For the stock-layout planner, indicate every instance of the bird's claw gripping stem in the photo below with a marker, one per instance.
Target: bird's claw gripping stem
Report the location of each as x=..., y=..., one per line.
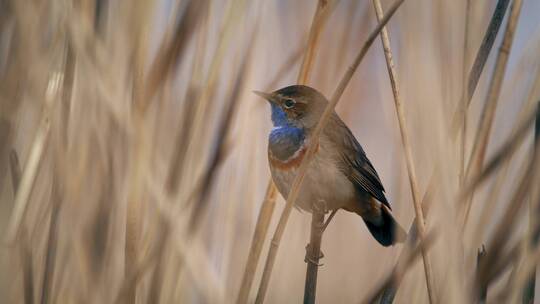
x=311, y=259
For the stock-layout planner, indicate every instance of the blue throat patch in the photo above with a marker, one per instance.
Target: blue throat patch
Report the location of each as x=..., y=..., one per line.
x=285, y=138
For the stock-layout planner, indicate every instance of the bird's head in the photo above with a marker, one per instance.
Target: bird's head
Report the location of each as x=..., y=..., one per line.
x=297, y=105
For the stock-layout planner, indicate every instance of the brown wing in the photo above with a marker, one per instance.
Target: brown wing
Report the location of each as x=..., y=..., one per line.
x=354, y=162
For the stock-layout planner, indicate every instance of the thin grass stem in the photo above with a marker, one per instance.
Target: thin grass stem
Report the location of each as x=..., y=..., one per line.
x=405, y=140
x=481, y=139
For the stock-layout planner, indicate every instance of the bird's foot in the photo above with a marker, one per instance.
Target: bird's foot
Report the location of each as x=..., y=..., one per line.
x=311, y=259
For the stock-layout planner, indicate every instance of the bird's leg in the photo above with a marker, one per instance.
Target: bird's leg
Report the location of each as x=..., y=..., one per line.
x=330, y=217
x=324, y=226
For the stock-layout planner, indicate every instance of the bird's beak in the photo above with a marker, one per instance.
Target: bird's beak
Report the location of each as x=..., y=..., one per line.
x=268, y=96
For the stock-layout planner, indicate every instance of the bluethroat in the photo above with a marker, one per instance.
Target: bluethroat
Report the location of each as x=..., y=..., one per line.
x=340, y=174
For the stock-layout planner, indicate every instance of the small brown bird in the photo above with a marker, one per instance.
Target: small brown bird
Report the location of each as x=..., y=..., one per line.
x=340, y=174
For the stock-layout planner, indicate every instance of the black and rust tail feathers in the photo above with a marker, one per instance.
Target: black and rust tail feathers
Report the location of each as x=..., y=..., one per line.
x=388, y=231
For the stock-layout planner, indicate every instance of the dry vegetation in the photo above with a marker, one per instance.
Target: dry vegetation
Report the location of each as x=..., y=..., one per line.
x=133, y=153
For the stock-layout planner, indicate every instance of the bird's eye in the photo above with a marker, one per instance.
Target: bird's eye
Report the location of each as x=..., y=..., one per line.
x=289, y=103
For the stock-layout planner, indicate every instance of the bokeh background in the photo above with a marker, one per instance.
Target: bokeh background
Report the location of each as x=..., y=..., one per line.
x=85, y=110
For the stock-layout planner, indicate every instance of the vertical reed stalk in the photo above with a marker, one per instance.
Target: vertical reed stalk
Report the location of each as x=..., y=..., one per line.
x=15, y=169
x=489, y=207
x=261, y=229
x=463, y=103
x=504, y=228
x=485, y=48
x=140, y=148
x=390, y=290
x=313, y=253
x=483, y=289
x=52, y=241
x=25, y=250
x=479, y=62
x=314, y=33
x=407, y=258
x=420, y=225
x=28, y=178
x=529, y=290
x=293, y=194
x=34, y=160
x=499, y=157
x=488, y=112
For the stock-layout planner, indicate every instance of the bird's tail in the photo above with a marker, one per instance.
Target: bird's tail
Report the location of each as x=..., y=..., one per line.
x=386, y=230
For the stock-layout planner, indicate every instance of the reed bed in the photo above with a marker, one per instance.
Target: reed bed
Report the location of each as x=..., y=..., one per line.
x=133, y=154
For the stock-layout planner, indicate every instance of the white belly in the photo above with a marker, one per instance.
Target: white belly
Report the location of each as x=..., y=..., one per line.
x=323, y=181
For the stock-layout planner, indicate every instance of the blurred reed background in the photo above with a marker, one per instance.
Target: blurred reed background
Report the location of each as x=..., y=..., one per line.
x=136, y=118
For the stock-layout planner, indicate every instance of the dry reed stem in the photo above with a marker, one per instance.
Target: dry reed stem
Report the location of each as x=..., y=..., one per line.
x=203, y=184
x=313, y=253
x=232, y=16
x=202, y=187
x=529, y=289
x=473, y=78
x=177, y=164
x=519, y=275
x=140, y=148
x=145, y=87
x=32, y=164
x=156, y=282
x=220, y=149
x=58, y=145
x=261, y=229
x=417, y=203
x=28, y=269
x=484, y=288
x=481, y=139
x=267, y=208
x=408, y=258
x=527, y=277
x=464, y=99
x=507, y=149
x=313, y=39
x=171, y=51
x=506, y=224
x=25, y=250
x=52, y=244
x=478, y=66
x=476, y=71
x=485, y=47
x=496, y=188
x=389, y=292
x=15, y=169
x=293, y=194
x=191, y=253
x=495, y=263
x=138, y=271
x=345, y=40
x=174, y=177
x=504, y=260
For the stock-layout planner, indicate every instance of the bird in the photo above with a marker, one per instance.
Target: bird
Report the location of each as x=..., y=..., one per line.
x=340, y=174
